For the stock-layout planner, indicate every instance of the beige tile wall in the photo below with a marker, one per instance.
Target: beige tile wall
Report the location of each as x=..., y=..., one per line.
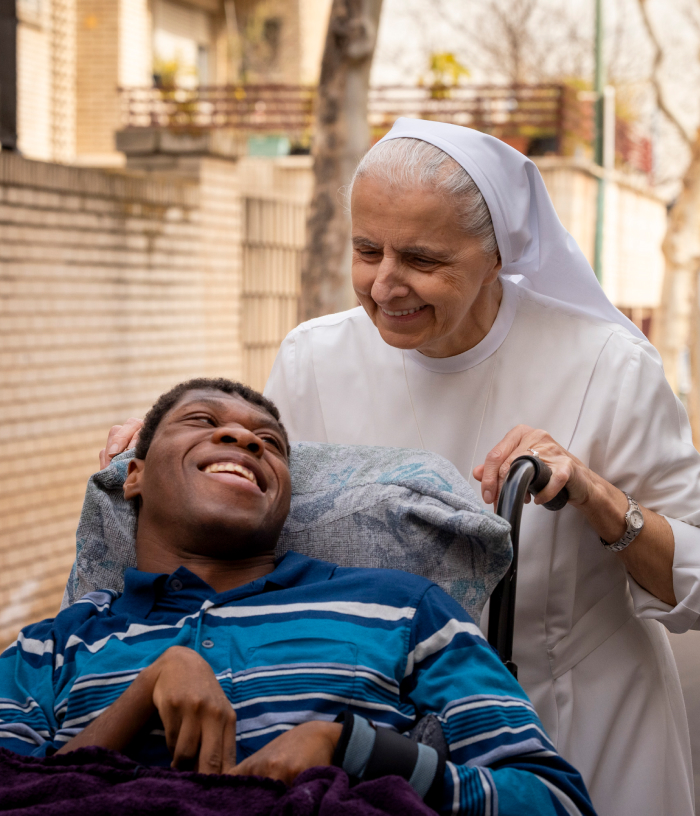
x=275, y=206
x=112, y=289
x=46, y=79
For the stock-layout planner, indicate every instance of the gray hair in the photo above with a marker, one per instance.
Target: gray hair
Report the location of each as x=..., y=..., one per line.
x=406, y=162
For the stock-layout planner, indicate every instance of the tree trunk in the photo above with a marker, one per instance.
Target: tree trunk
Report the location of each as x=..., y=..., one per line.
x=675, y=328
x=341, y=138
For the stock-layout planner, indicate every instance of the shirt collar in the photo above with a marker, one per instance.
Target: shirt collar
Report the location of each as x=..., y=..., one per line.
x=142, y=590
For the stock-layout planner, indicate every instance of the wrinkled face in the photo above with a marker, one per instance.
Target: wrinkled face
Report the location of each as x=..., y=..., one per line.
x=423, y=282
x=217, y=470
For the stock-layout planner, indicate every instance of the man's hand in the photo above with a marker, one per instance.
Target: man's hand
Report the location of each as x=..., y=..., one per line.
x=200, y=725
x=306, y=746
x=119, y=439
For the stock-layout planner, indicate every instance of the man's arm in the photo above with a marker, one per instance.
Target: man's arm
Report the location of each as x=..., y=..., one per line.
x=499, y=751
x=27, y=721
x=199, y=722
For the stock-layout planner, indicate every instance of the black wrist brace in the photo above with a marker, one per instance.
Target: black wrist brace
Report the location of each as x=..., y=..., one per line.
x=366, y=752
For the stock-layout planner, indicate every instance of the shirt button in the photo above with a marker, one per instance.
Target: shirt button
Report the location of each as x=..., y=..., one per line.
x=176, y=584
x=207, y=643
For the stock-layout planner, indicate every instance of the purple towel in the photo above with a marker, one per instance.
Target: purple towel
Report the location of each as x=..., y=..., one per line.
x=93, y=781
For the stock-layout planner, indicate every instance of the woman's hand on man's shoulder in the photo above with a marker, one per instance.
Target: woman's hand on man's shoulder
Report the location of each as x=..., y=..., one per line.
x=119, y=439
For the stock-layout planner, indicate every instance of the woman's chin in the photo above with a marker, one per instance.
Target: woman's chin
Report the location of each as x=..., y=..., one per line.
x=401, y=339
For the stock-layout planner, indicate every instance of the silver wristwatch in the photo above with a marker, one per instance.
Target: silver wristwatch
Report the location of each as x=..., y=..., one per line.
x=635, y=524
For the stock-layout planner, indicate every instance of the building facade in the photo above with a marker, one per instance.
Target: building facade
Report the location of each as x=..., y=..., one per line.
x=74, y=56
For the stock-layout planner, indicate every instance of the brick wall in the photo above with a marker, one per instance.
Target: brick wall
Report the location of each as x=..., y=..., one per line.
x=34, y=82
x=113, y=287
x=63, y=80
x=275, y=208
x=46, y=79
x=97, y=76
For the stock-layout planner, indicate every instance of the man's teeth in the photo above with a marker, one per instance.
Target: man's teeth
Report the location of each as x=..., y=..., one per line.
x=230, y=467
x=405, y=312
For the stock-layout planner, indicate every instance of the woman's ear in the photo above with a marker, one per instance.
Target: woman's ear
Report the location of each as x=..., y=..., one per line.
x=132, y=485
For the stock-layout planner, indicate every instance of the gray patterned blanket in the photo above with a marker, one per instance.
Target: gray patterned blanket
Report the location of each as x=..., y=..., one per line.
x=355, y=506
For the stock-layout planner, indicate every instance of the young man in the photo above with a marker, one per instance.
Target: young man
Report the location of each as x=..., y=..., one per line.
x=219, y=657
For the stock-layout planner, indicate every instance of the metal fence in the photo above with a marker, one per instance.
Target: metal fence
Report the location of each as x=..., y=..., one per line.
x=536, y=119
x=282, y=109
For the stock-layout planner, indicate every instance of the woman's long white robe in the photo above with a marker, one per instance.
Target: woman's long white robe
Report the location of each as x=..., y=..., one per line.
x=589, y=643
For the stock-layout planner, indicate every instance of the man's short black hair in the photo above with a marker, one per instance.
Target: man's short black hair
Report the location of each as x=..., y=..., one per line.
x=166, y=401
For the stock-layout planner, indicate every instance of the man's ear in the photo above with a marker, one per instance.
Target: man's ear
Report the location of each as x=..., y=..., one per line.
x=132, y=485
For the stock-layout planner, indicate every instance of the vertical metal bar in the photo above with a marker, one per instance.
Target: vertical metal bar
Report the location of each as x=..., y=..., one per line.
x=609, y=126
x=502, y=603
x=8, y=75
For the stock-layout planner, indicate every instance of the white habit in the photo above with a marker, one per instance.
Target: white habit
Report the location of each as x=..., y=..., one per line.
x=589, y=641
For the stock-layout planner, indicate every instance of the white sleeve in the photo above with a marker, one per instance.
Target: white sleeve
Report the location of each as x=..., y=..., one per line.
x=686, y=584
x=292, y=387
x=651, y=455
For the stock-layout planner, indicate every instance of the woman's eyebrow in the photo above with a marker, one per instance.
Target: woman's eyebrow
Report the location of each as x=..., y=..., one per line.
x=426, y=252
x=358, y=241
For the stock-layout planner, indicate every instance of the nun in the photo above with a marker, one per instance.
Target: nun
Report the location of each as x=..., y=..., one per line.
x=482, y=334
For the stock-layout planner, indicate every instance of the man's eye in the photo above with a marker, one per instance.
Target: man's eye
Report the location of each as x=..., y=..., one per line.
x=203, y=418
x=273, y=441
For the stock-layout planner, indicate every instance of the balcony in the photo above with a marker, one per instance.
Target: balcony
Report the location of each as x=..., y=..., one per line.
x=535, y=119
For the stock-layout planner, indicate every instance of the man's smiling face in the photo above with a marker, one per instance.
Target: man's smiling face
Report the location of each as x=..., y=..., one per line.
x=215, y=478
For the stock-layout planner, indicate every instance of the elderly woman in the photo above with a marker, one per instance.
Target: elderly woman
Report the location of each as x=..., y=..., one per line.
x=483, y=334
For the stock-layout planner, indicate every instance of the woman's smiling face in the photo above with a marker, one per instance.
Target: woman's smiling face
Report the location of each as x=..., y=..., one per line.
x=423, y=282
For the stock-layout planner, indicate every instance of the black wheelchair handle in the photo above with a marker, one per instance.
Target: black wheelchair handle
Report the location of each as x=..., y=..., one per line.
x=543, y=473
x=527, y=473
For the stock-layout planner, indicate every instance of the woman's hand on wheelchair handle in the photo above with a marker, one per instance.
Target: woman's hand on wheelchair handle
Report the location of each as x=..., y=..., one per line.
x=649, y=558
x=567, y=470
x=119, y=439
x=305, y=746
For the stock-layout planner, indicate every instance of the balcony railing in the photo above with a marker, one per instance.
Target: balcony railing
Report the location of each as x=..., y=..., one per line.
x=273, y=109
x=536, y=119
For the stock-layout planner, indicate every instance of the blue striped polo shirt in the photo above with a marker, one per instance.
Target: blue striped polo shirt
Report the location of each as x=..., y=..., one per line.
x=306, y=642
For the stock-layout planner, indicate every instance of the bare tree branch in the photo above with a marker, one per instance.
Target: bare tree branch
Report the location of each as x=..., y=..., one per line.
x=655, y=78
x=515, y=41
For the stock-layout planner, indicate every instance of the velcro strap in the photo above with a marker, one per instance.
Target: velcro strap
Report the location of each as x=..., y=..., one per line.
x=365, y=752
x=393, y=754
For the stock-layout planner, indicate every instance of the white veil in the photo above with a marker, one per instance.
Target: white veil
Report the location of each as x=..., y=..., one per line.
x=536, y=250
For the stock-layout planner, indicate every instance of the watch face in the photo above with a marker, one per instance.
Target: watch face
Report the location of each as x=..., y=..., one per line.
x=636, y=520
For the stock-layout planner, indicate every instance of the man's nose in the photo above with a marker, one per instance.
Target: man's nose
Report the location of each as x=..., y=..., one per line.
x=239, y=436
x=388, y=283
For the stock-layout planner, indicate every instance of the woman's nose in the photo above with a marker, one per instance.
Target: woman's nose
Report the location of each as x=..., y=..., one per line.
x=239, y=436
x=388, y=283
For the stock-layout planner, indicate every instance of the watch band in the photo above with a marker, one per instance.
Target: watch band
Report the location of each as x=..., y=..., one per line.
x=635, y=525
